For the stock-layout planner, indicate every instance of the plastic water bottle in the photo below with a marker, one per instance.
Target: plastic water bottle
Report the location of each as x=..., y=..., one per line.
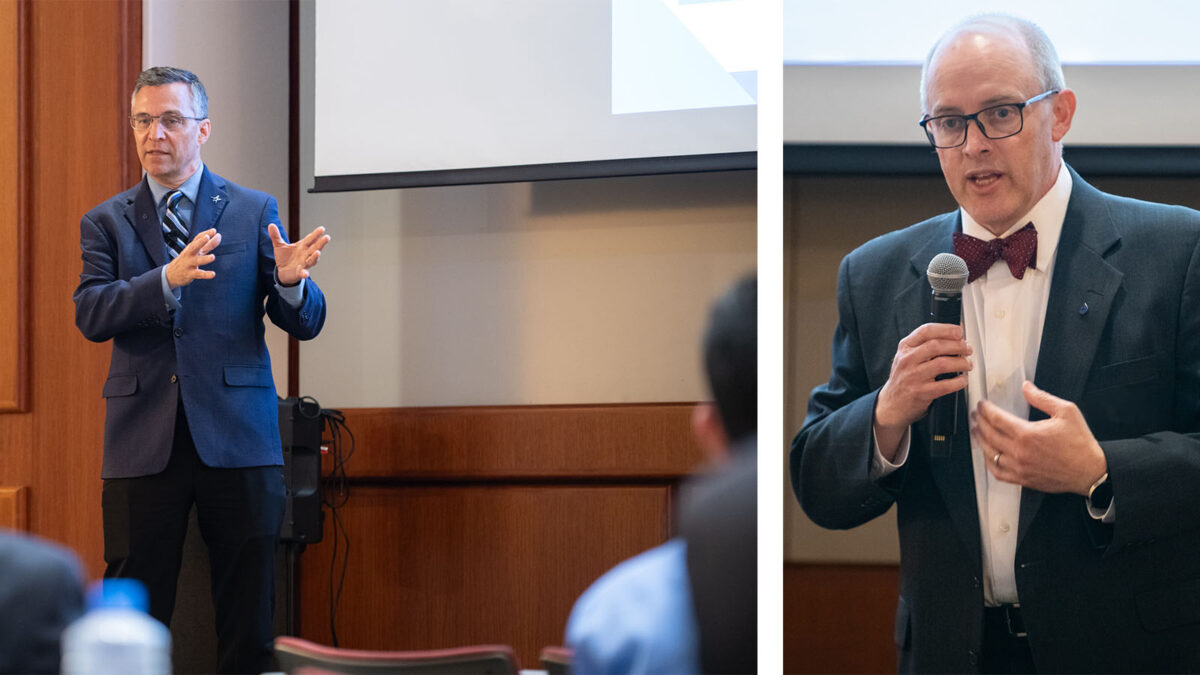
x=116, y=635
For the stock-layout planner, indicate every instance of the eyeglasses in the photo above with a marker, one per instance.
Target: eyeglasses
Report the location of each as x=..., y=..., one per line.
x=168, y=121
x=998, y=121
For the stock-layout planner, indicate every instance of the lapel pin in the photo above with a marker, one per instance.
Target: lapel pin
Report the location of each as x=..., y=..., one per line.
x=1083, y=309
x=216, y=199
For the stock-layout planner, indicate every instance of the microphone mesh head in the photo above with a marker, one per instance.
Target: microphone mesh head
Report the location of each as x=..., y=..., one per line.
x=947, y=273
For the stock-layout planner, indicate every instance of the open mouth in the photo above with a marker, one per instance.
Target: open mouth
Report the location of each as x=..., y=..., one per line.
x=983, y=178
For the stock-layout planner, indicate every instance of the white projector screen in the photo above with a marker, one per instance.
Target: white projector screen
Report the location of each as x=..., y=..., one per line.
x=852, y=69
x=461, y=91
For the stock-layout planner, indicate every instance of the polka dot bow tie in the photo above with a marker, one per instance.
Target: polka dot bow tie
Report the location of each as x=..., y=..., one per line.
x=1019, y=250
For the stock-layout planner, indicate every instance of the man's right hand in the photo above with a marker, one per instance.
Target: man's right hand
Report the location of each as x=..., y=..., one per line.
x=185, y=268
x=931, y=350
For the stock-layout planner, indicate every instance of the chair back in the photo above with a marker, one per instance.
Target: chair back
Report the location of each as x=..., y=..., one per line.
x=556, y=660
x=296, y=655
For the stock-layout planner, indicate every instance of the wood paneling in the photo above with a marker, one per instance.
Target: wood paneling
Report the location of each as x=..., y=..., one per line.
x=445, y=566
x=13, y=277
x=509, y=442
x=14, y=508
x=483, y=525
x=839, y=618
x=78, y=59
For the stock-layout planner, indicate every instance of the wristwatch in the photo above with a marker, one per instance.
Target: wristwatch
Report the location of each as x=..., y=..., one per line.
x=1100, y=495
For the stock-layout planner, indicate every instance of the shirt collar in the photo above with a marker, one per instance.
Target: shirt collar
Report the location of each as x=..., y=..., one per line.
x=1047, y=216
x=190, y=187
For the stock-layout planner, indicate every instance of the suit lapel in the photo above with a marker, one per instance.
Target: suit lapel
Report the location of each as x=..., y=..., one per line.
x=954, y=476
x=1081, y=295
x=211, y=200
x=142, y=215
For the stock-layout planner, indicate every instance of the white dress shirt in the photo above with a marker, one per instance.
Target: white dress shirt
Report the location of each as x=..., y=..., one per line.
x=1003, y=317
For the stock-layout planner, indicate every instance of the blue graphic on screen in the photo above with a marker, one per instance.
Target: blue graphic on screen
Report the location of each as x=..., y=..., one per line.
x=682, y=55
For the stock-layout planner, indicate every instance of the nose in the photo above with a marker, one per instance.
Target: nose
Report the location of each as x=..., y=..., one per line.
x=156, y=129
x=976, y=142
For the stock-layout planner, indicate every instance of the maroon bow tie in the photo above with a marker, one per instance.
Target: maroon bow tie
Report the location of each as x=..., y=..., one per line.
x=1019, y=250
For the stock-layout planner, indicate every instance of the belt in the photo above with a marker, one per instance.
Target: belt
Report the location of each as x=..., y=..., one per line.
x=1006, y=619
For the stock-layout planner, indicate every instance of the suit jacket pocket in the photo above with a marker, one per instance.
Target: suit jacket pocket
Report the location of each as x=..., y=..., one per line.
x=1123, y=374
x=1168, y=608
x=248, y=376
x=120, y=385
x=903, y=633
x=230, y=248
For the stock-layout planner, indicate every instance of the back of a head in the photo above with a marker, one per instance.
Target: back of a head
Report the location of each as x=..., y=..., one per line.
x=731, y=358
x=41, y=594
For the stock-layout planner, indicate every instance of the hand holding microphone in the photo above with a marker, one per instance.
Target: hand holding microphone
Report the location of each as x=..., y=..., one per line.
x=930, y=363
x=947, y=275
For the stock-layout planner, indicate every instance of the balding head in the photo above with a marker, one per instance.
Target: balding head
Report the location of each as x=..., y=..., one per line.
x=1043, y=62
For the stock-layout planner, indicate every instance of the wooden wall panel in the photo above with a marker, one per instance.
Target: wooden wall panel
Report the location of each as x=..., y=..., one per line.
x=506, y=442
x=445, y=566
x=14, y=508
x=483, y=525
x=78, y=60
x=13, y=281
x=839, y=618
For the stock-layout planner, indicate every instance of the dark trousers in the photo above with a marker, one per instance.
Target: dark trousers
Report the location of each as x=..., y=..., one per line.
x=239, y=512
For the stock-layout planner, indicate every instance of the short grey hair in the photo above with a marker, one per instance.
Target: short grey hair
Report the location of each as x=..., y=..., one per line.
x=163, y=75
x=1047, y=67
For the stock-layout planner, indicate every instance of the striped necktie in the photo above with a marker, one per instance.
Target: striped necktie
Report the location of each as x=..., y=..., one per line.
x=174, y=230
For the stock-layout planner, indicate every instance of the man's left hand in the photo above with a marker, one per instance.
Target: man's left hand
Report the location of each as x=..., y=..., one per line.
x=1054, y=455
x=293, y=261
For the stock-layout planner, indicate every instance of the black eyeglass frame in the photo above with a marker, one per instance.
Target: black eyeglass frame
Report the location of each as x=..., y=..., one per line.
x=967, y=119
x=133, y=119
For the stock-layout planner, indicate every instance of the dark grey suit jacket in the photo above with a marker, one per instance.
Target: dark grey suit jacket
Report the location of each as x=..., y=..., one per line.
x=1122, y=340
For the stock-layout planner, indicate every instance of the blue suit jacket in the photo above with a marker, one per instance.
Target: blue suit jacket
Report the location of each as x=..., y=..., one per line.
x=1122, y=340
x=211, y=352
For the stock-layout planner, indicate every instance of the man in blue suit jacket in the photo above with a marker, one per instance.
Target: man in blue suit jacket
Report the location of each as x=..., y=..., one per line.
x=1061, y=534
x=178, y=272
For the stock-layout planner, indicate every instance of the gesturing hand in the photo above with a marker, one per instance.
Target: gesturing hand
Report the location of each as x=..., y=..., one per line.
x=1054, y=455
x=185, y=268
x=932, y=349
x=292, y=261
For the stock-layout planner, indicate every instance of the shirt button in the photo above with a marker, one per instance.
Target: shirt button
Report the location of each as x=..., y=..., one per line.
x=178, y=332
x=1000, y=314
x=1004, y=528
x=174, y=378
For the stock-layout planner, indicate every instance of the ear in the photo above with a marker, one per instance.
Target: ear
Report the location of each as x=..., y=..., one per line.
x=1064, y=112
x=205, y=130
x=710, y=431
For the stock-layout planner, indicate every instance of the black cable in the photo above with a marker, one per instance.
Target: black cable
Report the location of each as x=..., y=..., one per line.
x=335, y=493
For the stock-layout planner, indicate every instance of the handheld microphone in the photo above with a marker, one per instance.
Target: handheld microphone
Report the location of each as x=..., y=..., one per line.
x=947, y=275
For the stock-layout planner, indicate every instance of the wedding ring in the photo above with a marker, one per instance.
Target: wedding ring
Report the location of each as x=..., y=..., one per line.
x=996, y=460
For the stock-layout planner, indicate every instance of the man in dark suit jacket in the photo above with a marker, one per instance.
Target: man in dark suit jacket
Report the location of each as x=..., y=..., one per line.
x=41, y=592
x=178, y=272
x=1062, y=534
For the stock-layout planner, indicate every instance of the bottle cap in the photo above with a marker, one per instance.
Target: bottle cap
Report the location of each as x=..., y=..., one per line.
x=116, y=593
